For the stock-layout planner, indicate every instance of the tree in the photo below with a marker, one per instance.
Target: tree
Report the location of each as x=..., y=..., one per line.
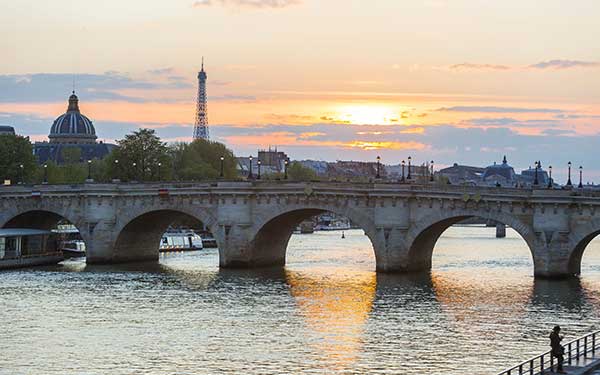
x=298, y=172
x=141, y=156
x=71, y=155
x=17, y=162
x=201, y=159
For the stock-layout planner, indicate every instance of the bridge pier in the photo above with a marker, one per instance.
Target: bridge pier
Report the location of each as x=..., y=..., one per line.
x=239, y=248
x=553, y=261
x=500, y=230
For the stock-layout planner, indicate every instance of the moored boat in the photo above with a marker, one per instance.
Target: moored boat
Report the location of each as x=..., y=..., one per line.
x=73, y=249
x=24, y=247
x=180, y=240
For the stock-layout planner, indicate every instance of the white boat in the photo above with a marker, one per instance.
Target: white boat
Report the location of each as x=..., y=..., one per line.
x=208, y=241
x=180, y=240
x=334, y=225
x=73, y=249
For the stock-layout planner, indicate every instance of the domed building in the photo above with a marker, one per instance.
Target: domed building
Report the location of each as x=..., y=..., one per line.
x=71, y=130
x=500, y=174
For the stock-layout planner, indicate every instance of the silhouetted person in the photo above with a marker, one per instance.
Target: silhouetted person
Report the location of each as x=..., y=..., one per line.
x=557, y=349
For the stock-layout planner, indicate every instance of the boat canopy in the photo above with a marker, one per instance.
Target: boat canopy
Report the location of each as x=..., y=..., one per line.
x=21, y=232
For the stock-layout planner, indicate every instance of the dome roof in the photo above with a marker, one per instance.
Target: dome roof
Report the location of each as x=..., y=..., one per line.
x=72, y=126
x=504, y=170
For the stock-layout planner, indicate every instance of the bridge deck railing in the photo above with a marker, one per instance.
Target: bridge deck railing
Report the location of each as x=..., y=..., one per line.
x=579, y=348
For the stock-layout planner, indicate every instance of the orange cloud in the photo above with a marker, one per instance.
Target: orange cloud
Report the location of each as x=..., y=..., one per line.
x=368, y=146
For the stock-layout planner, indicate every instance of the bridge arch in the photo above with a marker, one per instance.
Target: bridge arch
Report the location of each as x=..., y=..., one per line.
x=138, y=233
x=272, y=233
x=424, y=234
x=580, y=238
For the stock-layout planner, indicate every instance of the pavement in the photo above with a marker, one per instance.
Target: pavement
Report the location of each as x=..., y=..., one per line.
x=585, y=366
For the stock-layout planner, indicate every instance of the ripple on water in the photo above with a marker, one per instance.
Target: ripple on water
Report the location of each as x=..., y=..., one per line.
x=478, y=311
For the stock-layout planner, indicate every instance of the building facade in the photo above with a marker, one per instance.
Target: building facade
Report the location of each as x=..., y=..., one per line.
x=72, y=134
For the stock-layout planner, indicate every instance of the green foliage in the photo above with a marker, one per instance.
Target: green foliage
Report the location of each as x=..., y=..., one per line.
x=141, y=156
x=201, y=159
x=15, y=151
x=71, y=155
x=298, y=172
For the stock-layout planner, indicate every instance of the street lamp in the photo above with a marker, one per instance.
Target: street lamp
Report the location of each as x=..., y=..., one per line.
x=378, y=175
x=285, y=167
x=159, y=165
x=250, y=173
x=89, y=170
x=550, y=177
x=22, y=173
x=431, y=176
x=134, y=165
x=116, y=176
x=409, y=160
x=259, y=164
x=580, y=177
x=222, y=174
x=45, y=173
x=403, y=165
x=569, y=180
x=535, y=179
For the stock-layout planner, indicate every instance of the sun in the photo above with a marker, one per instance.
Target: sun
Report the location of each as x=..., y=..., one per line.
x=369, y=115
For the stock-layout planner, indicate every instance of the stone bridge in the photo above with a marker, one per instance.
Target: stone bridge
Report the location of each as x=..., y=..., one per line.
x=253, y=221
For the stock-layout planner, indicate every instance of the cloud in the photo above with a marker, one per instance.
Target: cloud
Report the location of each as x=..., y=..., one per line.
x=49, y=87
x=470, y=66
x=493, y=109
x=555, y=132
x=232, y=98
x=161, y=71
x=257, y=4
x=565, y=64
x=507, y=121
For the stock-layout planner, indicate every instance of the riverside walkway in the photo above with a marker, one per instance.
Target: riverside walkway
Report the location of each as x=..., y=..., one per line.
x=582, y=356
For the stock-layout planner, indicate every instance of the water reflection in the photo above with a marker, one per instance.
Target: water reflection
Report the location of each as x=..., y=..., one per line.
x=326, y=312
x=335, y=306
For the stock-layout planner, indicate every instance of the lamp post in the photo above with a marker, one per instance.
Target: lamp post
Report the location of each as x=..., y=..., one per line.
x=550, y=177
x=403, y=165
x=250, y=172
x=569, y=180
x=45, y=174
x=21, y=166
x=378, y=175
x=89, y=170
x=222, y=174
x=285, y=167
x=116, y=176
x=409, y=160
x=134, y=165
x=580, y=177
x=431, y=176
x=258, y=162
x=159, y=165
x=535, y=179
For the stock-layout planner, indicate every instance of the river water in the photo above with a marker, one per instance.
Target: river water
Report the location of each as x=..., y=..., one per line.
x=478, y=311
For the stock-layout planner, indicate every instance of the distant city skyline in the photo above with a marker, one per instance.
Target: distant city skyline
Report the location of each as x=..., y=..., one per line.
x=321, y=80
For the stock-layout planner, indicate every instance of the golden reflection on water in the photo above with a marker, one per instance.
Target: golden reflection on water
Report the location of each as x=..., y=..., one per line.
x=335, y=304
x=467, y=298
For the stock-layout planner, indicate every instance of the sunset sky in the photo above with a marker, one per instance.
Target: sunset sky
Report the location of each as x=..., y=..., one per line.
x=452, y=81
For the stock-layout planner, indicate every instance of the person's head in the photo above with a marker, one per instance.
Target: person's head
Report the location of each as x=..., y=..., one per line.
x=556, y=329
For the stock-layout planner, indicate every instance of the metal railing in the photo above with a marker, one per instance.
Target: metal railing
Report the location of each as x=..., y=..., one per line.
x=574, y=350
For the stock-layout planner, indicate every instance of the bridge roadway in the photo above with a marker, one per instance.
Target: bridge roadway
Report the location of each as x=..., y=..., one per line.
x=253, y=221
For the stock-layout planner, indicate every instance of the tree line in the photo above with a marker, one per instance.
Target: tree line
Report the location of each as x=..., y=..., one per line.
x=140, y=156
